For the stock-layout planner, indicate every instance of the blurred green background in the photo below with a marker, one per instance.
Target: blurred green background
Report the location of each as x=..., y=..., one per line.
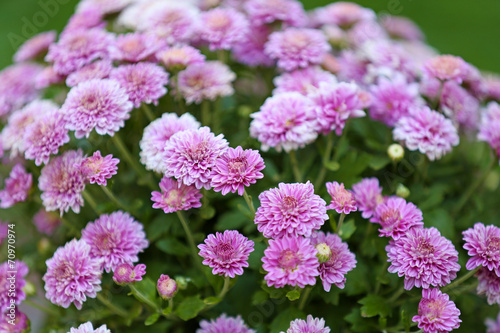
x=461, y=27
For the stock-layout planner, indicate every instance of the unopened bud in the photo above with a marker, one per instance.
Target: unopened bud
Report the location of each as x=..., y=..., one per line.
x=402, y=191
x=167, y=288
x=29, y=289
x=182, y=282
x=396, y=152
x=324, y=252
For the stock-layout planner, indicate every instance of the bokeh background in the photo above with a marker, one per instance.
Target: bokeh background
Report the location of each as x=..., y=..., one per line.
x=470, y=29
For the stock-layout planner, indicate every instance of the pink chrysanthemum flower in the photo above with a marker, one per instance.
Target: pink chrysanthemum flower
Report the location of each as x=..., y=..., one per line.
x=4, y=231
x=368, y=195
x=483, y=246
x=105, y=6
x=262, y=12
x=424, y=258
x=47, y=77
x=290, y=260
x=224, y=324
x=388, y=59
x=342, y=199
x=334, y=104
x=135, y=47
x=157, y=134
x=227, y=253
x=295, y=48
x=221, y=28
x=17, y=86
x=447, y=67
x=97, y=168
x=343, y=14
x=207, y=80
x=396, y=217
x=492, y=87
x=249, y=50
x=143, y=82
x=17, y=187
x=303, y=81
x=493, y=326
x=489, y=128
x=312, y=325
x=17, y=325
x=88, y=328
x=190, y=156
x=100, y=104
x=428, y=131
x=15, y=272
x=436, y=313
x=72, y=275
x=35, y=46
x=400, y=27
x=167, y=287
x=99, y=69
x=62, y=182
x=179, y=57
x=44, y=137
x=285, y=121
x=126, y=273
x=489, y=284
x=85, y=18
x=115, y=239
x=45, y=222
x=290, y=209
x=79, y=48
x=459, y=105
x=175, y=196
x=339, y=262
x=237, y=169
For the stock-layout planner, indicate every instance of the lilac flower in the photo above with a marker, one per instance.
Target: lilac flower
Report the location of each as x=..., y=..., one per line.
x=227, y=253
x=166, y=286
x=180, y=57
x=483, y=246
x=224, y=324
x=4, y=231
x=35, y=46
x=492, y=325
x=62, y=182
x=237, y=169
x=17, y=187
x=222, y=27
x=368, y=195
x=428, y=131
x=459, y=105
x=97, y=168
x=343, y=14
x=447, y=67
x=72, y=275
x=489, y=284
x=99, y=69
x=191, y=155
x=47, y=77
x=312, y=325
x=46, y=222
x=175, y=196
x=158, y=133
x=18, y=271
x=285, y=121
x=303, y=81
x=295, y=48
x=387, y=59
x=88, y=328
x=424, y=258
x=342, y=199
x=100, y=104
x=249, y=50
x=115, y=239
x=85, y=18
x=135, y=47
x=400, y=27
x=396, y=217
x=290, y=209
x=339, y=263
x=104, y=6
x=17, y=86
x=126, y=273
x=79, y=48
x=489, y=128
x=143, y=82
x=207, y=80
x=436, y=313
x=492, y=86
x=18, y=325
x=290, y=260
x=261, y=12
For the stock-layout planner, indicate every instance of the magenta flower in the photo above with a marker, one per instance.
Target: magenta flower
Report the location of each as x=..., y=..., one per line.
x=290, y=260
x=157, y=134
x=175, y=196
x=72, y=275
x=224, y=324
x=115, y=239
x=190, y=156
x=47, y=77
x=143, y=82
x=428, y=131
x=493, y=326
x=88, y=328
x=261, y=12
x=285, y=121
x=368, y=195
x=135, y=47
x=343, y=14
x=106, y=7
x=342, y=199
x=447, y=67
x=17, y=187
x=12, y=273
x=489, y=128
x=100, y=104
x=227, y=253
x=436, y=313
x=396, y=217
x=492, y=87
x=312, y=325
x=237, y=169
x=35, y=46
x=249, y=50
x=18, y=325
x=340, y=262
x=303, y=81
x=17, y=86
x=458, y=104
x=424, y=258
x=483, y=246
x=221, y=28
x=180, y=57
x=4, y=231
x=166, y=286
x=85, y=18
x=489, y=284
x=46, y=222
x=125, y=273
x=295, y=48
x=400, y=27
x=97, y=168
x=62, y=182
x=207, y=80
x=99, y=69
x=290, y=209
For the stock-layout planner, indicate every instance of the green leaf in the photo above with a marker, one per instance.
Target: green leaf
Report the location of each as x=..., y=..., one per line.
x=347, y=229
x=441, y=219
x=166, y=311
x=282, y=321
x=230, y=221
x=377, y=162
x=212, y=300
x=152, y=319
x=172, y=246
x=332, y=165
x=359, y=324
x=374, y=305
x=259, y=297
x=273, y=292
x=207, y=212
x=293, y=295
x=190, y=307
x=331, y=297
x=146, y=288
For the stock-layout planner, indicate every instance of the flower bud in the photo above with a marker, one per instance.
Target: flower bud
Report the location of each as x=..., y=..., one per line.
x=396, y=152
x=402, y=191
x=324, y=252
x=29, y=289
x=167, y=287
x=182, y=282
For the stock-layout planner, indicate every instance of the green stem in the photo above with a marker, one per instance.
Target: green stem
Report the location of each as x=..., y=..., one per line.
x=149, y=113
x=41, y=308
x=91, y=201
x=178, y=96
x=396, y=295
x=113, y=198
x=171, y=303
x=341, y=221
x=205, y=113
x=189, y=235
x=325, y=160
x=249, y=202
x=225, y=287
x=74, y=230
x=305, y=296
x=116, y=310
x=143, y=298
x=217, y=116
x=458, y=282
x=295, y=166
